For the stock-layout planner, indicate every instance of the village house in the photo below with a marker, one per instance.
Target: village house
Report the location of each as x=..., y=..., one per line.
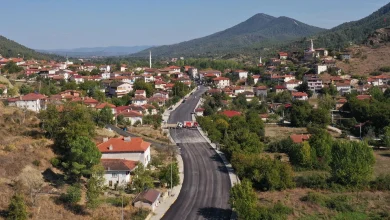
x=118, y=172
x=32, y=101
x=299, y=138
x=242, y=74
x=283, y=55
x=261, y=91
x=249, y=95
x=238, y=89
x=159, y=84
x=292, y=84
x=314, y=82
x=119, y=89
x=90, y=102
x=139, y=100
x=214, y=73
x=174, y=68
x=221, y=82
x=345, y=56
x=147, y=199
x=193, y=72
x=340, y=103
x=132, y=116
x=140, y=93
x=100, y=106
x=279, y=88
x=230, y=113
x=343, y=88
x=321, y=52
x=320, y=68
x=199, y=111
x=302, y=96
x=256, y=79
x=126, y=148
x=159, y=100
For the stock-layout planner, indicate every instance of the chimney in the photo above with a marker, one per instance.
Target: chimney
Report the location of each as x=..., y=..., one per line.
x=127, y=139
x=105, y=139
x=110, y=147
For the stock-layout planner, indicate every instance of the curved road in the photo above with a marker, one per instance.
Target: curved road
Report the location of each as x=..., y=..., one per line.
x=206, y=186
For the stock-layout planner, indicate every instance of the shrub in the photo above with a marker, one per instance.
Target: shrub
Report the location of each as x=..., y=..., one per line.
x=72, y=196
x=340, y=204
x=385, y=69
x=10, y=148
x=315, y=181
x=36, y=163
x=117, y=201
x=382, y=182
x=55, y=162
x=278, y=211
x=315, y=198
x=351, y=215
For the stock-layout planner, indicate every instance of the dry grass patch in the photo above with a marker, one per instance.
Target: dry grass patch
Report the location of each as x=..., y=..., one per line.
x=277, y=132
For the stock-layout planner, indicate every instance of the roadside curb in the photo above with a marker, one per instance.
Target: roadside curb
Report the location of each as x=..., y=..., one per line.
x=232, y=175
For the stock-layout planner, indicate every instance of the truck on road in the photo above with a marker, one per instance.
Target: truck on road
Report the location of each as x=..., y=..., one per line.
x=190, y=124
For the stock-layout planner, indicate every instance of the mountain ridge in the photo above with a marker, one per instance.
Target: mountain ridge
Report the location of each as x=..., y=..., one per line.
x=255, y=29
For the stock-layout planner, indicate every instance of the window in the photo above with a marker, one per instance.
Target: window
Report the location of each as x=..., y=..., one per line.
x=114, y=175
x=110, y=183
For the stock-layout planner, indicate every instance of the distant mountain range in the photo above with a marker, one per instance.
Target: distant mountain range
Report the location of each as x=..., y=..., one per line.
x=97, y=51
x=260, y=28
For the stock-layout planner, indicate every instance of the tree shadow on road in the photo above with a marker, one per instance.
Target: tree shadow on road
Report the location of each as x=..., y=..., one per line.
x=215, y=213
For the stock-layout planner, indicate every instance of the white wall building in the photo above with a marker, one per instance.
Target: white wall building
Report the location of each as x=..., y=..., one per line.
x=127, y=148
x=118, y=172
x=32, y=101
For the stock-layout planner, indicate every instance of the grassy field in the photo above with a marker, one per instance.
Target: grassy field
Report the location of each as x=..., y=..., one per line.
x=277, y=132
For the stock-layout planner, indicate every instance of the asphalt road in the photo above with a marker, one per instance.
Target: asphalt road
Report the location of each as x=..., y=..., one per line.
x=206, y=186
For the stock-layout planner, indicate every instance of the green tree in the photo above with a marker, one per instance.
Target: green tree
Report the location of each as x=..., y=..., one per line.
x=82, y=157
x=320, y=117
x=140, y=84
x=70, y=86
x=12, y=92
x=104, y=116
x=95, y=186
x=386, y=136
x=180, y=89
x=326, y=102
x=352, y=162
x=25, y=89
x=50, y=119
x=17, y=208
x=11, y=67
x=300, y=113
x=165, y=175
x=244, y=200
x=142, y=178
x=250, y=81
x=72, y=195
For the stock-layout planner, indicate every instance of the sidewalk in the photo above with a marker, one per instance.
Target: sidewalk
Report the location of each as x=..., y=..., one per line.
x=163, y=207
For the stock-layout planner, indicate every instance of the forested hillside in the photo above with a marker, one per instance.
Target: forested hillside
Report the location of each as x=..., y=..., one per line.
x=355, y=32
x=9, y=48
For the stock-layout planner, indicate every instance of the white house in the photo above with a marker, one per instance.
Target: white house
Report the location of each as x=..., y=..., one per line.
x=147, y=199
x=105, y=75
x=132, y=116
x=119, y=89
x=118, y=171
x=32, y=101
x=127, y=148
x=221, y=82
x=343, y=88
x=256, y=78
x=261, y=91
x=302, y=96
x=193, y=72
x=199, y=111
x=140, y=93
x=242, y=74
x=321, y=68
x=292, y=84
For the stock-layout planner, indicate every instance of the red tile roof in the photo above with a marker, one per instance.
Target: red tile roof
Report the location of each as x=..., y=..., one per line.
x=299, y=138
x=118, y=164
x=148, y=196
x=261, y=88
x=130, y=113
x=136, y=144
x=220, y=78
x=299, y=94
x=280, y=87
x=231, y=114
x=363, y=97
x=102, y=105
x=29, y=97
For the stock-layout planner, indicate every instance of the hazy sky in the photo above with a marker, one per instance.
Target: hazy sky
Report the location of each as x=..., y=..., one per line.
x=55, y=24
